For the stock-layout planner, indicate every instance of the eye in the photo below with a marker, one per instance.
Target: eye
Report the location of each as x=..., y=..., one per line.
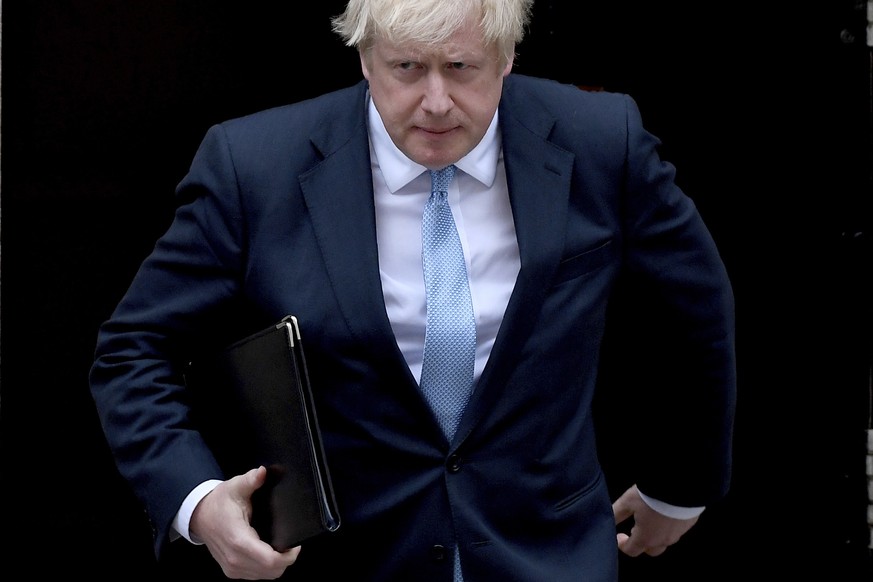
x=407, y=65
x=458, y=66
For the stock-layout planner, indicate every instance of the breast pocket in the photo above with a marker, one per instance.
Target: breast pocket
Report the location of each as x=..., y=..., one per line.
x=583, y=263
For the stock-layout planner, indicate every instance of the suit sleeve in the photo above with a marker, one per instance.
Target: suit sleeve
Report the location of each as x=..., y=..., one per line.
x=682, y=305
x=136, y=378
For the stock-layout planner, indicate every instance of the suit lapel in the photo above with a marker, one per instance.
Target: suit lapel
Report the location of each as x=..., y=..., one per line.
x=343, y=217
x=538, y=176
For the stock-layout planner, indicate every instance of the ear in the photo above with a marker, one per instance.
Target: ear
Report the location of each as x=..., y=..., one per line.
x=508, y=68
x=364, y=69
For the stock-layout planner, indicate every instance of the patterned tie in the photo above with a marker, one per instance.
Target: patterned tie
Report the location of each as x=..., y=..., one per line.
x=450, y=335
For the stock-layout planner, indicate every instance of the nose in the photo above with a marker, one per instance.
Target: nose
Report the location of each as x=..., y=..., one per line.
x=436, y=99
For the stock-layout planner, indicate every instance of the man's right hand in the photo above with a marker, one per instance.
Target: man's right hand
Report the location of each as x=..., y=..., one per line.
x=222, y=521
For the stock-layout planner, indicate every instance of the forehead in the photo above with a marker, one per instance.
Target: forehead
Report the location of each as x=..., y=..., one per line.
x=445, y=52
x=464, y=43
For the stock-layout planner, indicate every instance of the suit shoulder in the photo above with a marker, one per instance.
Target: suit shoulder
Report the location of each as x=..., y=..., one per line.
x=336, y=108
x=566, y=115
x=561, y=99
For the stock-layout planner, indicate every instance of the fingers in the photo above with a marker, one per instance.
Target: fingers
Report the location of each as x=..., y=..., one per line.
x=622, y=510
x=244, y=561
x=625, y=506
x=652, y=532
x=631, y=547
x=251, y=481
x=223, y=522
x=656, y=551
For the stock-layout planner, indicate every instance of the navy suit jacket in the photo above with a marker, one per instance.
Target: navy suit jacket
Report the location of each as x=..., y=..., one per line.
x=276, y=217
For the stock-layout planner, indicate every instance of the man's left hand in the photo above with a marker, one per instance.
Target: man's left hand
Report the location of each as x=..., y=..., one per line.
x=652, y=532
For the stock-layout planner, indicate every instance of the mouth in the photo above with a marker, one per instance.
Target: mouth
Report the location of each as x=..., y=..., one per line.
x=436, y=131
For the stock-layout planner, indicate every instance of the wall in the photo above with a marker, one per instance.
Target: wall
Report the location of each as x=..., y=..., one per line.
x=765, y=113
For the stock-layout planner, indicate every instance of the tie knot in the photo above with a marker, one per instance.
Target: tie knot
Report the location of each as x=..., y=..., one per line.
x=440, y=179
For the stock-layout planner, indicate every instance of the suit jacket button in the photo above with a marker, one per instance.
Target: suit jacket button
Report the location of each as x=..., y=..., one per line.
x=454, y=463
x=438, y=553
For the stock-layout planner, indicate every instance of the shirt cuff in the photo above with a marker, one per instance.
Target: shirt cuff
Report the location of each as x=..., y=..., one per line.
x=674, y=511
x=183, y=517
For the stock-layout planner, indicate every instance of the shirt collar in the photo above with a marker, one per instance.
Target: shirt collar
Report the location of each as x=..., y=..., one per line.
x=398, y=170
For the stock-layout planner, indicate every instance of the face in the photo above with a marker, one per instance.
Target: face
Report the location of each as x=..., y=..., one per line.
x=436, y=104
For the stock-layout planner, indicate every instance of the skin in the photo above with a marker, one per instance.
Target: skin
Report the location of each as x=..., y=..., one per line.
x=436, y=105
x=222, y=521
x=652, y=532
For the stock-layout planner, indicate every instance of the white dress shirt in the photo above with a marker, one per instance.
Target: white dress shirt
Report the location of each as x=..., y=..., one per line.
x=479, y=199
x=480, y=206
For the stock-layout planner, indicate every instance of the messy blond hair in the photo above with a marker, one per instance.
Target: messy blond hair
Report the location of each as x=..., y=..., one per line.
x=431, y=22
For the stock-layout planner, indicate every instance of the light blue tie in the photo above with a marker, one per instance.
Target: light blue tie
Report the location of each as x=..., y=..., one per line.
x=450, y=335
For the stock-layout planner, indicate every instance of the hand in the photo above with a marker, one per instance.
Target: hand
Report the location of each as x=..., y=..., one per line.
x=652, y=532
x=222, y=521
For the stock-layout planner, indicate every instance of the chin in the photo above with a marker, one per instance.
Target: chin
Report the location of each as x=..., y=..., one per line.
x=436, y=159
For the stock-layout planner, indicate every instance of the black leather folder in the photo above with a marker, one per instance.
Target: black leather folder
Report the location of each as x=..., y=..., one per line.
x=253, y=404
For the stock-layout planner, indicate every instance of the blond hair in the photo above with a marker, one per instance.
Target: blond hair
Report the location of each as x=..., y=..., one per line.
x=431, y=22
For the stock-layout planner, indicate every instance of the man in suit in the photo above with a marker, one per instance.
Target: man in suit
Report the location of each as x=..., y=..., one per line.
x=315, y=209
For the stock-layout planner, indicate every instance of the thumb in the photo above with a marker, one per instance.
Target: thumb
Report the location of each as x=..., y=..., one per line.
x=623, y=508
x=249, y=482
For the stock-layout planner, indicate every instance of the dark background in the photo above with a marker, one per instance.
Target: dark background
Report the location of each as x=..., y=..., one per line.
x=765, y=111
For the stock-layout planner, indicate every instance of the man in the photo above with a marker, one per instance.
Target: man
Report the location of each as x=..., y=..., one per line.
x=315, y=210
